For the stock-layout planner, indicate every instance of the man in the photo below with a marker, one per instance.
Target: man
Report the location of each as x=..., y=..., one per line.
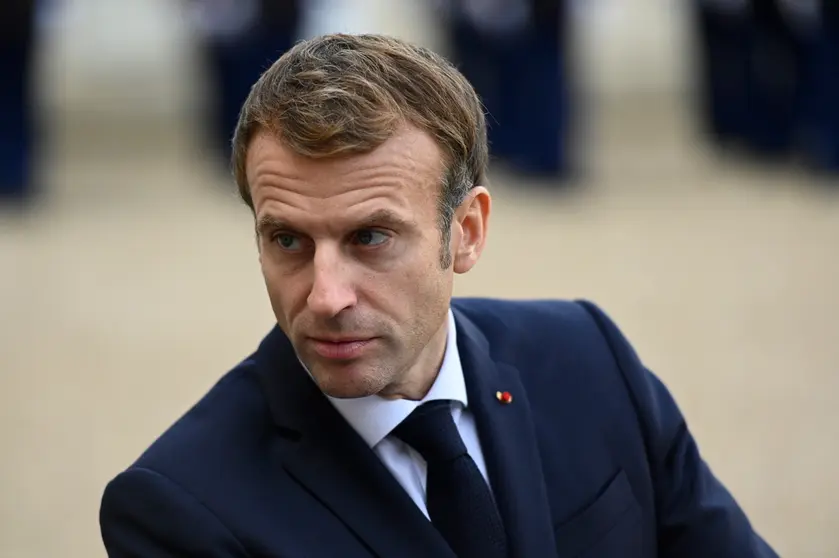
x=381, y=417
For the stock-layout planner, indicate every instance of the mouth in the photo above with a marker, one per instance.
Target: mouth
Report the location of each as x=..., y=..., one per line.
x=340, y=349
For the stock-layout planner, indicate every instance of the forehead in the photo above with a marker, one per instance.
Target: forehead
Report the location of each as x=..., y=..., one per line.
x=402, y=175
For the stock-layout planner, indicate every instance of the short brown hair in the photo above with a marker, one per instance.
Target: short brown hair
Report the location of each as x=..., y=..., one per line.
x=344, y=94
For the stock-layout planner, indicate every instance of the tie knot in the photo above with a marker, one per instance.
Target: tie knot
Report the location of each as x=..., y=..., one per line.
x=430, y=429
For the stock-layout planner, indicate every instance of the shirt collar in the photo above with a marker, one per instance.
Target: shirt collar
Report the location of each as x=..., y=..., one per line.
x=374, y=417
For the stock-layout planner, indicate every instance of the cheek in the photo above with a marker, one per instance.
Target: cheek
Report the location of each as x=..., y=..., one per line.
x=275, y=295
x=391, y=291
x=268, y=274
x=415, y=289
x=282, y=290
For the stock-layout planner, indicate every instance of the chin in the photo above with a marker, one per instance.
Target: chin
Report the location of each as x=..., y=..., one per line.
x=344, y=391
x=345, y=384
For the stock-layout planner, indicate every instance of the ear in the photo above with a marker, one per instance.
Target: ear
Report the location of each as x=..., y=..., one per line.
x=472, y=218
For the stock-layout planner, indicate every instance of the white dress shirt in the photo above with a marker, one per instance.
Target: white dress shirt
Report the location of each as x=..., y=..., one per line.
x=374, y=418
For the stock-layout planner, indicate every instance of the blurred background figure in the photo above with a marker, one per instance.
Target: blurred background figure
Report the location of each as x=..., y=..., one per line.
x=724, y=28
x=17, y=123
x=516, y=54
x=767, y=78
x=240, y=39
x=823, y=148
x=778, y=89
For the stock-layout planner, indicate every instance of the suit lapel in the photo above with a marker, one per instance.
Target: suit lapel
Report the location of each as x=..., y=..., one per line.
x=508, y=442
x=333, y=462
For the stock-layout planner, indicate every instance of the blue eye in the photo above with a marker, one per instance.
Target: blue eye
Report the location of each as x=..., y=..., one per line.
x=287, y=241
x=369, y=237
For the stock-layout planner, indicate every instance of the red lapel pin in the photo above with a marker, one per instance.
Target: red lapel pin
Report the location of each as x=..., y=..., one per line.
x=504, y=397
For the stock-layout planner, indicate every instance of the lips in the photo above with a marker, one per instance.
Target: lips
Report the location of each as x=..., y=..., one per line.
x=344, y=349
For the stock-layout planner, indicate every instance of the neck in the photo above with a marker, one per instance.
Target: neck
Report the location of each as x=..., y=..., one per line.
x=418, y=379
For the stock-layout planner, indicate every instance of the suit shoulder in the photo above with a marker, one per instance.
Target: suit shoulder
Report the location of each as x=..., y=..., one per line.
x=230, y=415
x=544, y=338
x=533, y=318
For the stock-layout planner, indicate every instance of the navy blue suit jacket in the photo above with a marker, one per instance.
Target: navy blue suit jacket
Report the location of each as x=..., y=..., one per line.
x=592, y=459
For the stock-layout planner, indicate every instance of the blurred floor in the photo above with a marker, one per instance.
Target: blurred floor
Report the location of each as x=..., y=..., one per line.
x=136, y=286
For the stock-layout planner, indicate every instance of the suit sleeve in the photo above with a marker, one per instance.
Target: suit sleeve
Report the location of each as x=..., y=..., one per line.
x=145, y=514
x=697, y=516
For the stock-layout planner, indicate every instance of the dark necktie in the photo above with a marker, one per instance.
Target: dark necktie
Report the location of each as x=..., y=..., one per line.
x=458, y=498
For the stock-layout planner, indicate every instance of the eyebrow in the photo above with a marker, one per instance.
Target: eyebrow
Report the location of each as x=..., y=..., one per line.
x=384, y=218
x=379, y=218
x=269, y=223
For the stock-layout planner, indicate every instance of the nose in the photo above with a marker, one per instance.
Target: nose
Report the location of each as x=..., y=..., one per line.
x=332, y=287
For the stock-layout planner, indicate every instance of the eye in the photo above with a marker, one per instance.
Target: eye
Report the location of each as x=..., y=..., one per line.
x=287, y=241
x=370, y=237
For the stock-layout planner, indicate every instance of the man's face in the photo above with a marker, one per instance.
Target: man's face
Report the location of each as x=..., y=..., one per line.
x=350, y=252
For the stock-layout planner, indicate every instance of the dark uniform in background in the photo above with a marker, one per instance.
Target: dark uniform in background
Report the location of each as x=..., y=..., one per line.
x=778, y=76
x=824, y=147
x=769, y=76
x=517, y=58
x=17, y=53
x=236, y=60
x=723, y=29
